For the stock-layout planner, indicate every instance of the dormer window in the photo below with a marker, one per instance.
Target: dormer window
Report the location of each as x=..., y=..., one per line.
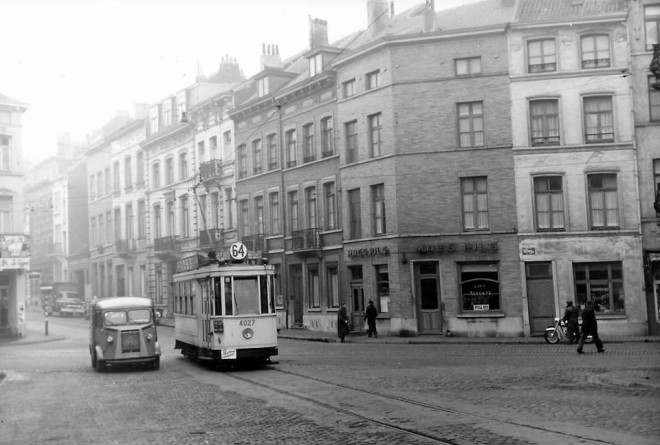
x=262, y=86
x=154, y=126
x=315, y=65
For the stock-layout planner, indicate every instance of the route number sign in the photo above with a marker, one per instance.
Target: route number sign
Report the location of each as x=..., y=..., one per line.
x=238, y=251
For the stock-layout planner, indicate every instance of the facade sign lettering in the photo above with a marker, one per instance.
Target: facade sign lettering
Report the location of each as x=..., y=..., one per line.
x=483, y=247
x=373, y=251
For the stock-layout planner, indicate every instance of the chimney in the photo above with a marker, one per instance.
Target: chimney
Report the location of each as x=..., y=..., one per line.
x=318, y=33
x=378, y=16
x=429, y=16
x=270, y=57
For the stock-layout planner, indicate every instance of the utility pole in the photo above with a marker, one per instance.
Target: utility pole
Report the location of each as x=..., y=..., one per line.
x=284, y=279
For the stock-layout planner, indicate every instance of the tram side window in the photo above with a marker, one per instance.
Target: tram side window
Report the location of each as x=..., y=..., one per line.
x=186, y=292
x=217, y=291
x=177, y=297
x=194, y=291
x=263, y=282
x=229, y=296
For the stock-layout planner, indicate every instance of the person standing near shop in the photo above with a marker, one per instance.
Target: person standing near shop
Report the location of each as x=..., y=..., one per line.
x=342, y=322
x=571, y=319
x=589, y=326
x=370, y=315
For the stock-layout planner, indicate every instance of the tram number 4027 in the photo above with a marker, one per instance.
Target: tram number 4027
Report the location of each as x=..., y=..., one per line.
x=246, y=323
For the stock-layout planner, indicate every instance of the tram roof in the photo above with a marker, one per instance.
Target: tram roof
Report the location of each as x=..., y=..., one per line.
x=229, y=268
x=123, y=302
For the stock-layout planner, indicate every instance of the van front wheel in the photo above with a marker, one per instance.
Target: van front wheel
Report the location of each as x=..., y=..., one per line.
x=156, y=364
x=100, y=365
x=94, y=359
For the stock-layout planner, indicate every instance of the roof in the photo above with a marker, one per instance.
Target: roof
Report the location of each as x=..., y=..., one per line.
x=123, y=302
x=6, y=100
x=552, y=10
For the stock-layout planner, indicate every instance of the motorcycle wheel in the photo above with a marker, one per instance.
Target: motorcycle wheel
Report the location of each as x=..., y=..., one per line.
x=552, y=336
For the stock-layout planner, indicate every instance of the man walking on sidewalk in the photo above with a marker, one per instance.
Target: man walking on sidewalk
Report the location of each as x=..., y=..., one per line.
x=370, y=315
x=589, y=327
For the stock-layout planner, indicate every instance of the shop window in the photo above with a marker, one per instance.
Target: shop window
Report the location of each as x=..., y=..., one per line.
x=332, y=284
x=313, y=286
x=602, y=283
x=480, y=287
x=383, y=288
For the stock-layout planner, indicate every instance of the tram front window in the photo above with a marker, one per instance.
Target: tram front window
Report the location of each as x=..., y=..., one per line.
x=246, y=296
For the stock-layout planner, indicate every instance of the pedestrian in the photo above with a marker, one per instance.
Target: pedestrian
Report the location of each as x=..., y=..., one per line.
x=571, y=319
x=370, y=315
x=342, y=322
x=589, y=327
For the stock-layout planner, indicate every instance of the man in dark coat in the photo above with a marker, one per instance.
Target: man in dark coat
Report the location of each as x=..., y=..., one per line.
x=342, y=322
x=589, y=326
x=370, y=315
x=571, y=319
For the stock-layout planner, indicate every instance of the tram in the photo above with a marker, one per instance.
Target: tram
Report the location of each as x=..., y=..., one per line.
x=224, y=310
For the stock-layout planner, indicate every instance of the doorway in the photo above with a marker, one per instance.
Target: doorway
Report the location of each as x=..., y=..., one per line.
x=427, y=301
x=653, y=305
x=295, y=272
x=357, y=298
x=540, y=296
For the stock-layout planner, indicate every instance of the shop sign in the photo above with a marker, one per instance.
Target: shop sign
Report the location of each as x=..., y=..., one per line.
x=14, y=263
x=477, y=247
x=14, y=246
x=364, y=253
x=529, y=250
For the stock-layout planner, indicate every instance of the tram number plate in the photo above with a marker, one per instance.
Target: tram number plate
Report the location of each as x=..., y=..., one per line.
x=228, y=354
x=246, y=323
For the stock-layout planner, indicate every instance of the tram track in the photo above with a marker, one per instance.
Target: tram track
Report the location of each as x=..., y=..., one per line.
x=433, y=422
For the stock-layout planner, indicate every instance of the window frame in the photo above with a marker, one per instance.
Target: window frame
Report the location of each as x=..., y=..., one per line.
x=551, y=212
x=348, y=88
x=257, y=157
x=350, y=131
x=653, y=93
x=600, y=115
x=374, y=121
x=614, y=281
x=599, y=196
x=545, y=66
x=354, y=214
x=330, y=205
x=372, y=80
x=538, y=112
x=291, y=143
x=378, y=209
x=327, y=145
x=474, y=209
x=471, y=68
x=471, y=118
x=309, y=148
x=242, y=161
x=654, y=19
x=480, y=289
x=596, y=50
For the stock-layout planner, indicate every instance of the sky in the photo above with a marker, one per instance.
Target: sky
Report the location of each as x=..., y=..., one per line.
x=77, y=63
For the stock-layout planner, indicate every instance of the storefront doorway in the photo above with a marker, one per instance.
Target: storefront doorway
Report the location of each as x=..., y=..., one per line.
x=357, y=298
x=427, y=297
x=540, y=296
x=295, y=272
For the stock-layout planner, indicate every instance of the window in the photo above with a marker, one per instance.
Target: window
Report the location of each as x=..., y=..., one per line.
x=242, y=161
x=5, y=214
x=656, y=187
x=171, y=223
x=309, y=151
x=262, y=87
x=167, y=113
x=226, y=136
x=474, y=192
x=549, y=201
x=332, y=285
x=471, y=124
x=480, y=287
x=93, y=234
x=153, y=120
x=102, y=235
x=349, y=88
x=313, y=286
x=215, y=210
x=327, y=147
x=155, y=175
x=330, y=206
x=603, y=201
x=467, y=66
x=169, y=171
x=201, y=152
x=92, y=187
x=354, y=214
x=378, y=203
x=310, y=198
x=128, y=173
x=652, y=25
x=183, y=165
x=598, y=119
x=290, y=138
x=108, y=226
x=595, y=51
x=203, y=212
x=257, y=156
x=271, y=151
x=244, y=217
x=315, y=65
x=99, y=184
x=294, y=214
x=259, y=214
x=274, y=200
x=115, y=178
x=140, y=169
x=654, y=101
x=130, y=231
x=185, y=217
x=375, y=142
x=382, y=287
x=157, y=228
x=541, y=56
x=544, y=118
x=5, y=152
x=108, y=179
x=373, y=80
x=230, y=210
x=350, y=128
x=213, y=147
x=142, y=219
x=602, y=283
x=117, y=224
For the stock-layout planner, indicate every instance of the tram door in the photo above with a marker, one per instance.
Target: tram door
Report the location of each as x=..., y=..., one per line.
x=427, y=291
x=201, y=288
x=540, y=295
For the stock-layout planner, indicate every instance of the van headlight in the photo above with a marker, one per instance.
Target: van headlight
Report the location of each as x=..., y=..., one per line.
x=149, y=336
x=110, y=339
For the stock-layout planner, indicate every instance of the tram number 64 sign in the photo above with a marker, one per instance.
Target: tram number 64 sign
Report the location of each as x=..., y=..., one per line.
x=238, y=251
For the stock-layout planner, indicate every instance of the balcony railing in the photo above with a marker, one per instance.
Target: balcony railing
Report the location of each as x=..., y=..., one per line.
x=166, y=244
x=125, y=247
x=306, y=239
x=211, y=238
x=256, y=243
x=210, y=169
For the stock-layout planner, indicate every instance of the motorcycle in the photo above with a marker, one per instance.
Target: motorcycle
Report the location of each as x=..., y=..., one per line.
x=556, y=333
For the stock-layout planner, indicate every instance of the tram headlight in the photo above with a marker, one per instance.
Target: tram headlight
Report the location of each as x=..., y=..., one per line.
x=110, y=339
x=248, y=333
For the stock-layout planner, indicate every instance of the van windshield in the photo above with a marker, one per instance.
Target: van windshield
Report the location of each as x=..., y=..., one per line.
x=133, y=316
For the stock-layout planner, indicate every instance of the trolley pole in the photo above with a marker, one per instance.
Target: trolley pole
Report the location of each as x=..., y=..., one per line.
x=46, y=316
